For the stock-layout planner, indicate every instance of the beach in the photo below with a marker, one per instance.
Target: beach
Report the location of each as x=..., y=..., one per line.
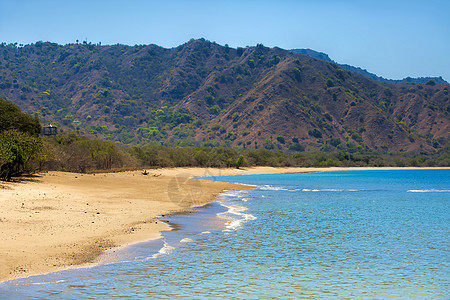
x=57, y=220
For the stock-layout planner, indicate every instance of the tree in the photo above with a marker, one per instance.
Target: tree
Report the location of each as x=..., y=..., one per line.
x=19, y=145
x=239, y=162
x=11, y=117
x=17, y=150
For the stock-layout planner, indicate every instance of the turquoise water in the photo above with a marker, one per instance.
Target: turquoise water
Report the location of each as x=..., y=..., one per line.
x=353, y=234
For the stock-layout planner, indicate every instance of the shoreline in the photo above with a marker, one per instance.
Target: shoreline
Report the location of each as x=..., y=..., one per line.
x=57, y=221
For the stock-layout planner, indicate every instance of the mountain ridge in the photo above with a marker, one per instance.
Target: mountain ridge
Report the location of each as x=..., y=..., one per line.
x=325, y=57
x=204, y=93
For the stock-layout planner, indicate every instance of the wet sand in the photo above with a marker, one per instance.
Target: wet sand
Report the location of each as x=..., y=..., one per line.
x=58, y=220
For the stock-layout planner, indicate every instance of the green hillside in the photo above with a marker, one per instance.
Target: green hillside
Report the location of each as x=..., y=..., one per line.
x=202, y=93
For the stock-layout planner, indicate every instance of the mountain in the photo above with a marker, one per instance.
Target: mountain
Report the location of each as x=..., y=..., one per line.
x=313, y=53
x=204, y=93
x=325, y=57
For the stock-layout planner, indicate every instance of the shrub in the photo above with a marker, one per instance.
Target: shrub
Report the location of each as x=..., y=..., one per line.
x=214, y=110
x=209, y=99
x=328, y=116
x=281, y=139
x=334, y=142
x=268, y=144
x=296, y=147
x=315, y=133
x=330, y=82
x=215, y=127
x=230, y=136
x=340, y=74
x=297, y=74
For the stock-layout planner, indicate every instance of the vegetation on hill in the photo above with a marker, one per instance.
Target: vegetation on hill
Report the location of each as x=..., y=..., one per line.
x=22, y=150
x=201, y=93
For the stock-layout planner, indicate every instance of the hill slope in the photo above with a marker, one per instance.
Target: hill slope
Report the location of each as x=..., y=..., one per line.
x=201, y=92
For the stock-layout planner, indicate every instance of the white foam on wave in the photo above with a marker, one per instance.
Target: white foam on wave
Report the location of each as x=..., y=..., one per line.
x=310, y=190
x=204, y=232
x=49, y=282
x=272, y=188
x=327, y=190
x=186, y=240
x=234, y=194
x=428, y=191
x=237, y=210
x=165, y=250
x=279, y=188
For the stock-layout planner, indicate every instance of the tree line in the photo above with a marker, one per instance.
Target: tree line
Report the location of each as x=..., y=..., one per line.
x=22, y=150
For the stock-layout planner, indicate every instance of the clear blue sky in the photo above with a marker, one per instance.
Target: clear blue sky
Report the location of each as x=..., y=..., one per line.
x=392, y=38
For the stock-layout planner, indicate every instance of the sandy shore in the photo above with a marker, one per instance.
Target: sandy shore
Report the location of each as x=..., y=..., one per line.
x=59, y=220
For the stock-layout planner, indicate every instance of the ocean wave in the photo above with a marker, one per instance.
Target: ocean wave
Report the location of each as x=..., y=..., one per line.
x=234, y=194
x=165, y=250
x=310, y=190
x=186, y=240
x=279, y=188
x=43, y=283
x=237, y=210
x=272, y=188
x=428, y=191
x=326, y=190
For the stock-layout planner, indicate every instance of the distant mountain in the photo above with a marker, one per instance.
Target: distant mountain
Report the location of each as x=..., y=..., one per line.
x=204, y=93
x=313, y=53
x=325, y=57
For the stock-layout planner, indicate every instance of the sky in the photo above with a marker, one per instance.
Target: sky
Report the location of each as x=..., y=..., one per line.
x=391, y=38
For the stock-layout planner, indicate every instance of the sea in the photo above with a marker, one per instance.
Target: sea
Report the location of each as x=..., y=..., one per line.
x=330, y=235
